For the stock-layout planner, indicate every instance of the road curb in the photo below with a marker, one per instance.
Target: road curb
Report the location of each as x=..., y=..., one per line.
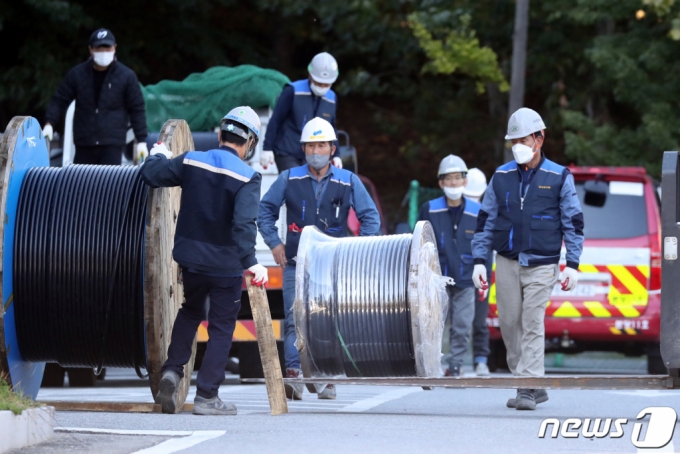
x=31, y=427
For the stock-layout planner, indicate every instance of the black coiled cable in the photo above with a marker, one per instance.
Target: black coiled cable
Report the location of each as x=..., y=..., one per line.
x=78, y=266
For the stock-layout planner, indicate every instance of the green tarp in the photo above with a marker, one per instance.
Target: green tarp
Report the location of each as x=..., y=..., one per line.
x=202, y=99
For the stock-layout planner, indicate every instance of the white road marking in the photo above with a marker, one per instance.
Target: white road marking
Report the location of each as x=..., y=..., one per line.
x=380, y=399
x=186, y=439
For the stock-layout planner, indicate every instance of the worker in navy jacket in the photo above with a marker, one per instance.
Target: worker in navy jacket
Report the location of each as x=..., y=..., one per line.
x=298, y=103
x=529, y=209
x=214, y=244
x=316, y=194
x=454, y=219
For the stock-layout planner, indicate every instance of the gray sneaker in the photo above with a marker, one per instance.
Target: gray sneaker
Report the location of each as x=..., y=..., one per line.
x=540, y=396
x=213, y=406
x=294, y=392
x=526, y=400
x=328, y=393
x=167, y=393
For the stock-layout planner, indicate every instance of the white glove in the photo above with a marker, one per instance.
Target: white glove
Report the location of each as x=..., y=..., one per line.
x=568, y=279
x=261, y=276
x=337, y=162
x=479, y=277
x=142, y=152
x=266, y=159
x=159, y=148
x=48, y=132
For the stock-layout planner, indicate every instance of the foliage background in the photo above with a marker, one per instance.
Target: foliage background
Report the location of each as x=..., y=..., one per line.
x=419, y=78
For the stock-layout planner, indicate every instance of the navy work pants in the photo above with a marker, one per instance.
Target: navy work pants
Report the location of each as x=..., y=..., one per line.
x=225, y=302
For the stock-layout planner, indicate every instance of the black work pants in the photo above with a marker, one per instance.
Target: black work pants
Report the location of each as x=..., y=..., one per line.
x=286, y=161
x=480, y=331
x=225, y=302
x=99, y=154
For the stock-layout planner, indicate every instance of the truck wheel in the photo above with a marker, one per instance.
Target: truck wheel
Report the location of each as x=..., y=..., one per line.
x=498, y=359
x=53, y=376
x=249, y=361
x=655, y=365
x=81, y=377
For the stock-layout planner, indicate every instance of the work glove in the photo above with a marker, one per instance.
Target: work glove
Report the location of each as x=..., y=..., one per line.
x=479, y=277
x=483, y=294
x=568, y=279
x=337, y=162
x=160, y=148
x=266, y=159
x=142, y=152
x=260, y=277
x=48, y=132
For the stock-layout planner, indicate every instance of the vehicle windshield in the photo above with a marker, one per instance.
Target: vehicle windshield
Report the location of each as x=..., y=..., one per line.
x=624, y=214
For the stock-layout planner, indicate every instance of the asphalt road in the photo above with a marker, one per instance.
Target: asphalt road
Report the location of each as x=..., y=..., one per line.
x=364, y=419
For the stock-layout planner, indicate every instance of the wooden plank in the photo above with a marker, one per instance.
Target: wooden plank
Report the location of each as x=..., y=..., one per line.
x=266, y=342
x=114, y=407
x=163, y=291
x=605, y=382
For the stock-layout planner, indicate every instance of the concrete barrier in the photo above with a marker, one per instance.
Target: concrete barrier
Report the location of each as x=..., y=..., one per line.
x=31, y=427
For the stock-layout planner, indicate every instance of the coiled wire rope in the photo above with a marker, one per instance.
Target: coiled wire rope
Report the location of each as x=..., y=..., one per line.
x=78, y=266
x=356, y=299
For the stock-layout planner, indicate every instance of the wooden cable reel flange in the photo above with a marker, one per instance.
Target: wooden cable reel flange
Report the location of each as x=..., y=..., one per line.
x=163, y=291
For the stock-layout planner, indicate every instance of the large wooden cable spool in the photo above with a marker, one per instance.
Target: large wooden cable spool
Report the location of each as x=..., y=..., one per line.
x=22, y=148
x=163, y=292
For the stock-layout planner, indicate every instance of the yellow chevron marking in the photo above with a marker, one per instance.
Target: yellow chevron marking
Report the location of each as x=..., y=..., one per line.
x=632, y=284
x=202, y=334
x=628, y=311
x=597, y=309
x=241, y=333
x=588, y=269
x=615, y=330
x=630, y=331
x=567, y=310
x=644, y=269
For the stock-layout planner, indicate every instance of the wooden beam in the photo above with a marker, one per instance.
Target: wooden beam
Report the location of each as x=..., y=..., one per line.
x=604, y=382
x=266, y=341
x=116, y=407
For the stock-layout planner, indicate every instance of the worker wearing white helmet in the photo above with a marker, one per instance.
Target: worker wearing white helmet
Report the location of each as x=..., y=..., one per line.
x=214, y=243
x=298, y=103
x=529, y=209
x=454, y=220
x=476, y=185
x=317, y=194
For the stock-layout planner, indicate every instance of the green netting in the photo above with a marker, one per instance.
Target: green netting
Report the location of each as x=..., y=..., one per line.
x=202, y=99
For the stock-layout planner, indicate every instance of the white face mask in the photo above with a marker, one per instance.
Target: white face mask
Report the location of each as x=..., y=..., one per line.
x=453, y=193
x=318, y=91
x=522, y=153
x=103, y=58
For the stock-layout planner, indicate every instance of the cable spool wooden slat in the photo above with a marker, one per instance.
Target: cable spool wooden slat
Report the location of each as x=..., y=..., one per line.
x=22, y=147
x=163, y=292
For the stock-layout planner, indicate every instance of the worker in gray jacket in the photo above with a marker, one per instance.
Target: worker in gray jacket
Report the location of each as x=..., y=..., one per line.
x=529, y=208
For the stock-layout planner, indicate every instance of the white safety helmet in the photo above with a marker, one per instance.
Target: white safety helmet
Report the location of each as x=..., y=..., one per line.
x=451, y=164
x=247, y=117
x=318, y=130
x=524, y=123
x=476, y=183
x=323, y=68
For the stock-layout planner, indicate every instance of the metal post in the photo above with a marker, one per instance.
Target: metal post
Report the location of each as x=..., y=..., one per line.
x=670, y=268
x=413, y=204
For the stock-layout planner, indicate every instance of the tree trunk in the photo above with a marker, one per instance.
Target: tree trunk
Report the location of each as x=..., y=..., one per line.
x=519, y=59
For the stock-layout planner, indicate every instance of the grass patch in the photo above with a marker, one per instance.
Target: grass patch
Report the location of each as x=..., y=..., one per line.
x=14, y=402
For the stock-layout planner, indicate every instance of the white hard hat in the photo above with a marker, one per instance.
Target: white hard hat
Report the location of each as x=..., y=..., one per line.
x=523, y=123
x=323, y=68
x=318, y=130
x=476, y=183
x=247, y=117
x=451, y=164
